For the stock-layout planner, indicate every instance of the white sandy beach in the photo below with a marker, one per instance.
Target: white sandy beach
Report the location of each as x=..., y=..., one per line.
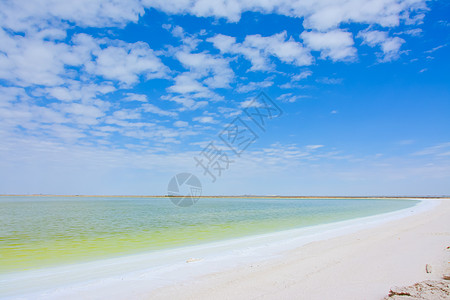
x=355, y=259
x=361, y=265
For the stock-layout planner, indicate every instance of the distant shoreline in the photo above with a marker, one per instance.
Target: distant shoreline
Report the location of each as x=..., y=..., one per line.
x=229, y=196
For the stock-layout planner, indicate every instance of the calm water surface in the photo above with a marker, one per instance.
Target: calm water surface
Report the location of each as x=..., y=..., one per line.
x=44, y=231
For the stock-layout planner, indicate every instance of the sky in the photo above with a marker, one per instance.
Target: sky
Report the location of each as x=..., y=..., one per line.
x=111, y=97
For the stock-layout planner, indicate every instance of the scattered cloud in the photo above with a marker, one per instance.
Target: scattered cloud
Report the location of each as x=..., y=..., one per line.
x=313, y=147
x=250, y=103
x=36, y=61
x=83, y=13
x=186, y=83
x=411, y=32
x=444, y=23
x=319, y=15
x=127, y=114
x=293, y=85
x=302, y=75
x=438, y=150
x=335, y=44
x=187, y=103
x=151, y=108
x=290, y=97
x=258, y=50
x=254, y=85
x=436, y=48
x=205, y=120
x=76, y=91
x=129, y=97
x=229, y=112
x=390, y=46
x=216, y=69
x=180, y=124
x=327, y=80
x=127, y=62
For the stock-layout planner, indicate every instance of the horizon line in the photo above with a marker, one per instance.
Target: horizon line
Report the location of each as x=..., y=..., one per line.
x=233, y=196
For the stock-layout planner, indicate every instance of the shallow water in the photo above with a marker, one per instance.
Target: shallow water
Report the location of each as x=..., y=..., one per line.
x=44, y=231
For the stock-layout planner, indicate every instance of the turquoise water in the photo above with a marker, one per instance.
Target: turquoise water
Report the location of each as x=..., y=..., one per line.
x=38, y=232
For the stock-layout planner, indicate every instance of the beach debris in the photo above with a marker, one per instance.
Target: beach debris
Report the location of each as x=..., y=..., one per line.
x=191, y=260
x=429, y=289
x=428, y=268
x=446, y=276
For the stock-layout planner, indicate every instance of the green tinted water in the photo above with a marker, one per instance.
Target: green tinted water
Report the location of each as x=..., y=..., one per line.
x=44, y=231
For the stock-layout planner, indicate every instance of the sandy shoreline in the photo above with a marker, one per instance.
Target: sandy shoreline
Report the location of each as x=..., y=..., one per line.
x=361, y=265
x=339, y=260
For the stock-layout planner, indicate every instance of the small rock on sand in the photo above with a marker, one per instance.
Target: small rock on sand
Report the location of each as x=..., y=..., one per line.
x=429, y=289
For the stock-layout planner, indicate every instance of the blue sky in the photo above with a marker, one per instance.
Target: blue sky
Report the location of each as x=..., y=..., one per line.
x=116, y=97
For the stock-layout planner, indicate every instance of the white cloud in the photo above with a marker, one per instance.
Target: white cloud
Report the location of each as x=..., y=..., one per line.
x=180, y=124
x=30, y=60
x=291, y=85
x=127, y=114
x=85, y=92
x=442, y=149
x=390, y=46
x=258, y=49
x=82, y=113
x=129, y=97
x=412, y=32
x=320, y=14
x=302, y=75
x=205, y=120
x=327, y=80
x=216, y=70
x=186, y=83
x=335, y=44
x=190, y=42
x=313, y=147
x=291, y=98
x=24, y=15
x=127, y=62
x=66, y=120
x=187, y=102
x=250, y=103
x=205, y=72
x=12, y=94
x=147, y=107
x=255, y=85
x=27, y=61
x=229, y=112
x=436, y=48
x=64, y=132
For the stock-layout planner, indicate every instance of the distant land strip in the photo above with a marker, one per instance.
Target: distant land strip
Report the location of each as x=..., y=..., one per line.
x=234, y=196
